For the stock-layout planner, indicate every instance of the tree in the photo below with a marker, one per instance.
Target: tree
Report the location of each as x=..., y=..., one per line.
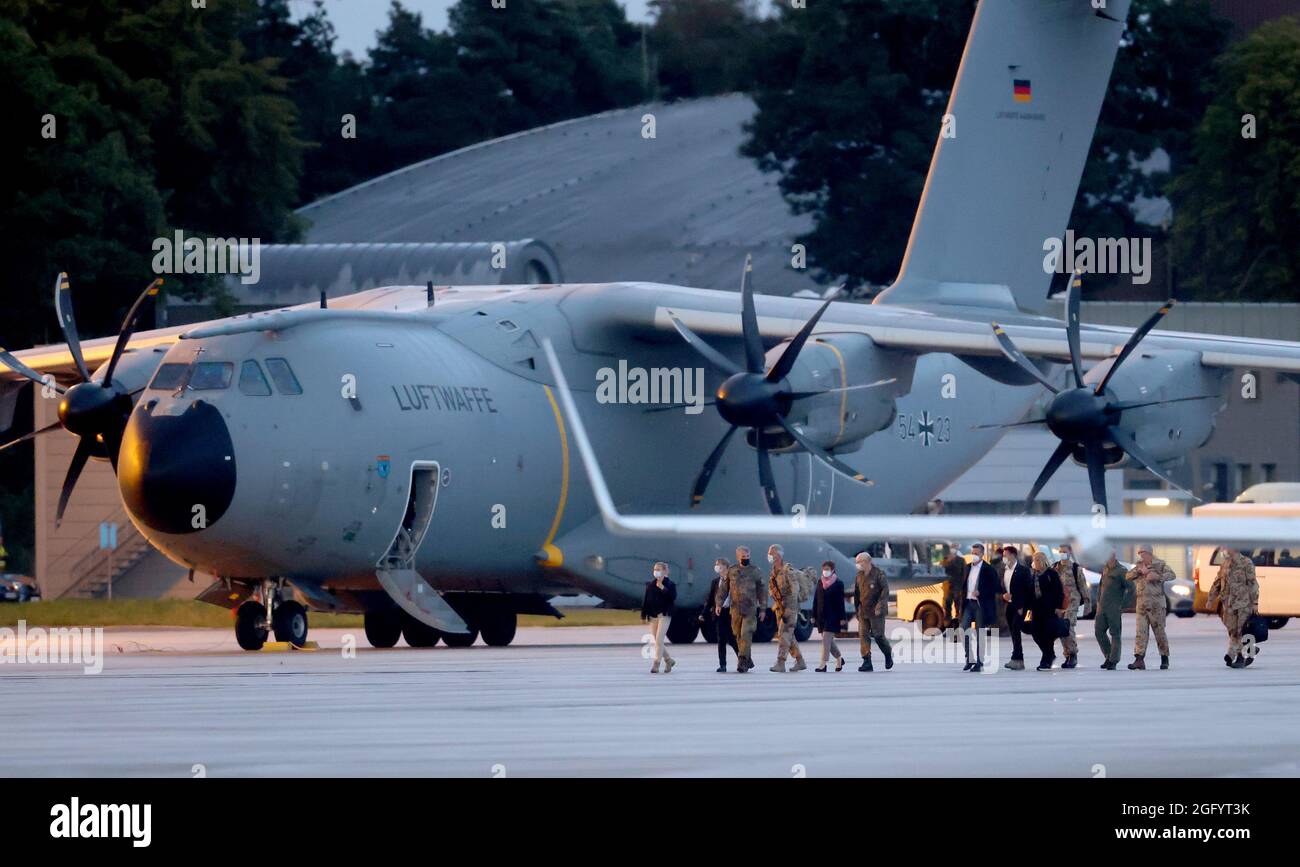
x=1237, y=208
x=850, y=96
x=703, y=47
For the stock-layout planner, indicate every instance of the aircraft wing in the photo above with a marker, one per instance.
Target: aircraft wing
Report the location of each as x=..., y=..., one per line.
x=1093, y=536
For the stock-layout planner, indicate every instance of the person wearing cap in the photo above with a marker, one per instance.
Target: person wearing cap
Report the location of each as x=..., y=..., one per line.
x=657, y=608
x=1150, y=576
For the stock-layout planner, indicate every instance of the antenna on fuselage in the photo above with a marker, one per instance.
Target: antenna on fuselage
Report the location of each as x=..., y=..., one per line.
x=428, y=292
x=323, y=304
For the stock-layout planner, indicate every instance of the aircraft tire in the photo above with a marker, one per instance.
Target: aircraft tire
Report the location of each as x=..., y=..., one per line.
x=498, y=629
x=418, y=634
x=289, y=622
x=459, y=639
x=383, y=627
x=1277, y=622
x=250, y=625
x=803, y=627
x=765, y=629
x=709, y=629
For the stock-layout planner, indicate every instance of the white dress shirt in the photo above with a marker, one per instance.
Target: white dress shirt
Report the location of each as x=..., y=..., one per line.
x=1006, y=576
x=972, y=579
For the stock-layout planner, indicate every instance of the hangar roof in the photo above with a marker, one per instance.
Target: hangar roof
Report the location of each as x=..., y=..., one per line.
x=681, y=208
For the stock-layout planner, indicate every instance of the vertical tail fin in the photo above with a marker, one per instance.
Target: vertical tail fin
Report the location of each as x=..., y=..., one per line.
x=1007, y=166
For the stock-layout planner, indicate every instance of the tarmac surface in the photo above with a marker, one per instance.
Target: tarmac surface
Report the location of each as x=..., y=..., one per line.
x=580, y=701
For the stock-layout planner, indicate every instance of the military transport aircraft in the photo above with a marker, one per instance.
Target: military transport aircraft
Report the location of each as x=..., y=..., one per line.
x=402, y=451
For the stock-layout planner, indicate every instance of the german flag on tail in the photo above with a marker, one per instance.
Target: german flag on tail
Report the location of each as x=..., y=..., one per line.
x=1023, y=91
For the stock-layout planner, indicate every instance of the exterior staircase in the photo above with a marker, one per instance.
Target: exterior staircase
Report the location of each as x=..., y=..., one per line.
x=95, y=570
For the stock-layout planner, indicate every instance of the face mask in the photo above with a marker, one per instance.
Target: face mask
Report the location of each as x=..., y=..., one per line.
x=719, y=568
x=744, y=561
x=1067, y=556
x=771, y=559
x=659, y=573
x=826, y=573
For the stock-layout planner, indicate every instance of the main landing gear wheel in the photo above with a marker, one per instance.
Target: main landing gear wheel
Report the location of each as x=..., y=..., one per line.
x=498, y=629
x=460, y=639
x=383, y=627
x=418, y=634
x=250, y=625
x=683, y=629
x=765, y=629
x=803, y=626
x=289, y=622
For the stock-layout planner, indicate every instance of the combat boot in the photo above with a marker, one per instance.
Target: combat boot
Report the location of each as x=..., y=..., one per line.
x=1164, y=662
x=1071, y=660
x=1016, y=665
x=799, y=665
x=1227, y=660
x=866, y=664
x=779, y=667
x=1137, y=664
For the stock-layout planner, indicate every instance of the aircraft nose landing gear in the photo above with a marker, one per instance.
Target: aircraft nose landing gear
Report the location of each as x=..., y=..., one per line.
x=287, y=619
x=250, y=625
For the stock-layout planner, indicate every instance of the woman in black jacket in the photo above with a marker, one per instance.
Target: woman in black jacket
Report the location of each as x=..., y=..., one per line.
x=1046, y=609
x=829, y=615
x=657, y=607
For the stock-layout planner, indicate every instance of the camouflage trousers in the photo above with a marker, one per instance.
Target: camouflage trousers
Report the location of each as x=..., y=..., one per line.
x=1234, y=620
x=1151, y=621
x=1070, y=643
x=786, y=621
x=869, y=628
x=742, y=626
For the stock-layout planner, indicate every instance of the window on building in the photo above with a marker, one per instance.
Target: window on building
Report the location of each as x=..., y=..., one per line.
x=282, y=376
x=252, y=380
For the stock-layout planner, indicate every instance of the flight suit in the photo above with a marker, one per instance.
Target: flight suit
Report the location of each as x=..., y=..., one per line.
x=1236, y=594
x=748, y=594
x=1151, y=605
x=1110, y=613
x=783, y=585
x=1076, y=589
x=872, y=590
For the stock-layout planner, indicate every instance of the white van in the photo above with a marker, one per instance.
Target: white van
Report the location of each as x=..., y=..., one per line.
x=1277, y=569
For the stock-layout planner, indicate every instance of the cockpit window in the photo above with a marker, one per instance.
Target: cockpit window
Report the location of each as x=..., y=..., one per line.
x=252, y=380
x=169, y=377
x=282, y=376
x=211, y=375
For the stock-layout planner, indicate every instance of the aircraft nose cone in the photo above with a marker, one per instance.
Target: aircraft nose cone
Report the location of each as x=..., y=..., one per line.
x=177, y=472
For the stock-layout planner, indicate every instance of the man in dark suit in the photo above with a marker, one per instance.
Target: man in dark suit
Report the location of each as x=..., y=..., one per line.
x=981, y=590
x=1018, y=593
x=717, y=611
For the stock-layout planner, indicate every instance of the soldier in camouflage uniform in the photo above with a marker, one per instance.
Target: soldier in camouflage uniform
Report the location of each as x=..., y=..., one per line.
x=872, y=594
x=1076, y=590
x=1150, y=575
x=744, y=584
x=783, y=585
x=1235, y=594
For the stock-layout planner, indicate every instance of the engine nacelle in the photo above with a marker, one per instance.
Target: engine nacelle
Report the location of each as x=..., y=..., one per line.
x=1171, y=430
x=842, y=419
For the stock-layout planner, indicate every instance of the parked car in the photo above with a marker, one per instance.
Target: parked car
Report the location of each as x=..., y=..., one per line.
x=18, y=588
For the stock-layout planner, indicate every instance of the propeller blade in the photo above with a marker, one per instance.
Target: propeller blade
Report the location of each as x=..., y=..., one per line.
x=785, y=363
x=79, y=458
x=1097, y=475
x=1013, y=353
x=128, y=326
x=1049, y=469
x=823, y=455
x=765, y=476
x=1012, y=424
x=1130, y=446
x=68, y=322
x=11, y=361
x=673, y=406
x=706, y=471
x=749, y=321
x=33, y=435
x=1140, y=404
x=716, y=358
x=1072, y=325
x=1133, y=341
x=800, y=395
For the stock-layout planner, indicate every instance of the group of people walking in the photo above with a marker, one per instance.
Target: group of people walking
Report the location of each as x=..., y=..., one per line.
x=1042, y=599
